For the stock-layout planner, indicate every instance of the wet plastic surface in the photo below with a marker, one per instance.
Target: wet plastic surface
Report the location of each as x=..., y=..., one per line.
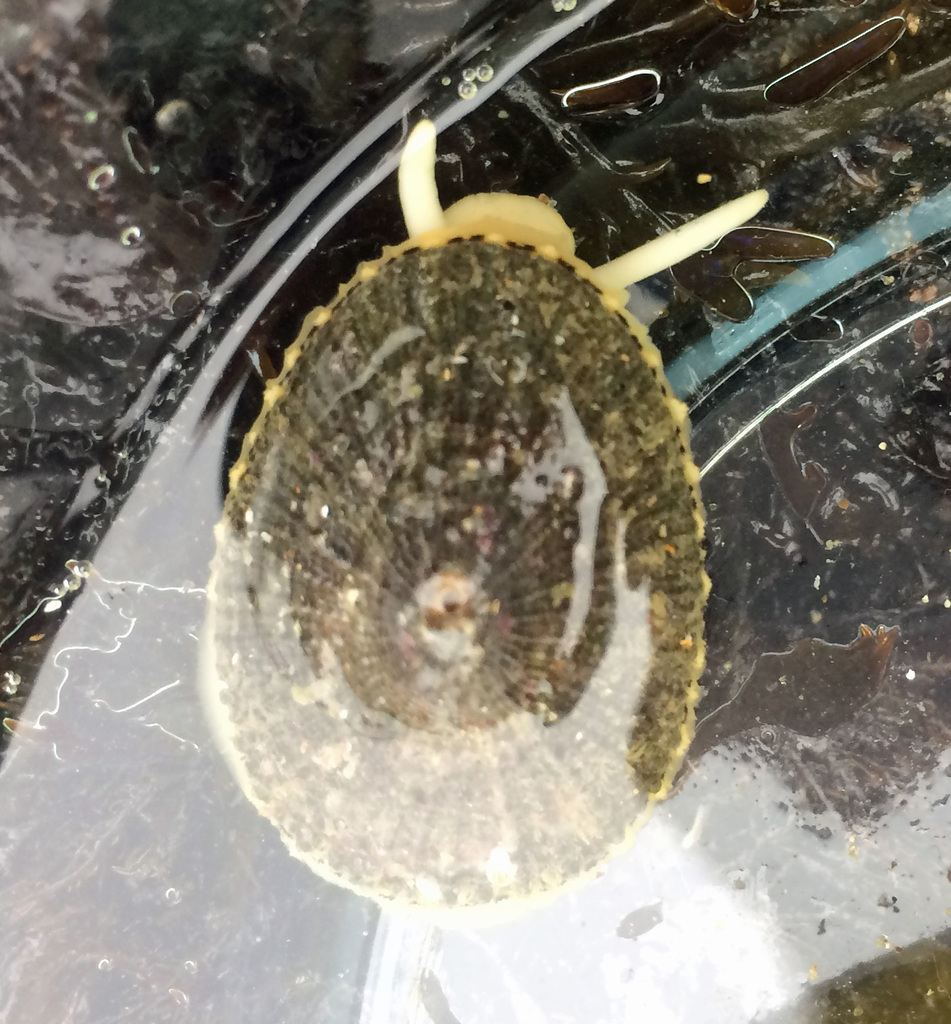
x=808, y=839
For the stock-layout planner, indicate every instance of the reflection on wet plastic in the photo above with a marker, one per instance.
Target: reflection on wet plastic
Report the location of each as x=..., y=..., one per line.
x=632, y=91
x=839, y=59
x=110, y=773
x=714, y=275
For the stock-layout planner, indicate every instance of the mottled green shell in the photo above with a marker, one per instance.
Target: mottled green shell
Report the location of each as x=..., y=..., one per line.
x=455, y=620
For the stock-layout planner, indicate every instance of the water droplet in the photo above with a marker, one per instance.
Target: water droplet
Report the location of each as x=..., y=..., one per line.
x=468, y=74
x=191, y=966
x=484, y=72
x=137, y=152
x=467, y=90
x=130, y=235
x=172, y=117
x=446, y=80
x=173, y=896
x=105, y=964
x=10, y=682
x=101, y=177
x=184, y=303
x=179, y=996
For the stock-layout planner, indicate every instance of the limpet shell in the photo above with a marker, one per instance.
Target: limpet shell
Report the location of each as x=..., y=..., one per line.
x=455, y=611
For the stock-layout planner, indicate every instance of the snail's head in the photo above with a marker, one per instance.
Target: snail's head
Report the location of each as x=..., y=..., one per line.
x=514, y=218
x=527, y=220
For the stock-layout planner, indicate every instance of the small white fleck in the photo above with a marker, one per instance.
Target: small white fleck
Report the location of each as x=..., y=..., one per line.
x=266, y=537
x=499, y=868
x=248, y=516
x=428, y=888
x=924, y=600
x=696, y=830
x=325, y=510
x=53, y=606
x=101, y=177
x=910, y=674
x=816, y=582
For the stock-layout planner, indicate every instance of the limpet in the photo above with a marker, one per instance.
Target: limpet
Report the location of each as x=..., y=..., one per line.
x=455, y=623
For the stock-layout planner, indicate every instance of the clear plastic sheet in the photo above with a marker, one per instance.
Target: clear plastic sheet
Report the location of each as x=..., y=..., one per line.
x=800, y=870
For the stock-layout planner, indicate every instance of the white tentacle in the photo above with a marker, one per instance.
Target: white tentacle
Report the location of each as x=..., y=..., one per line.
x=419, y=198
x=680, y=243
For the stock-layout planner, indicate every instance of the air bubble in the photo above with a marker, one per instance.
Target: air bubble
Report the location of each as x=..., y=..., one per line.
x=179, y=996
x=190, y=966
x=131, y=235
x=173, y=896
x=484, y=72
x=184, y=303
x=467, y=90
x=564, y=5
x=446, y=80
x=101, y=177
x=105, y=964
x=468, y=74
x=10, y=683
